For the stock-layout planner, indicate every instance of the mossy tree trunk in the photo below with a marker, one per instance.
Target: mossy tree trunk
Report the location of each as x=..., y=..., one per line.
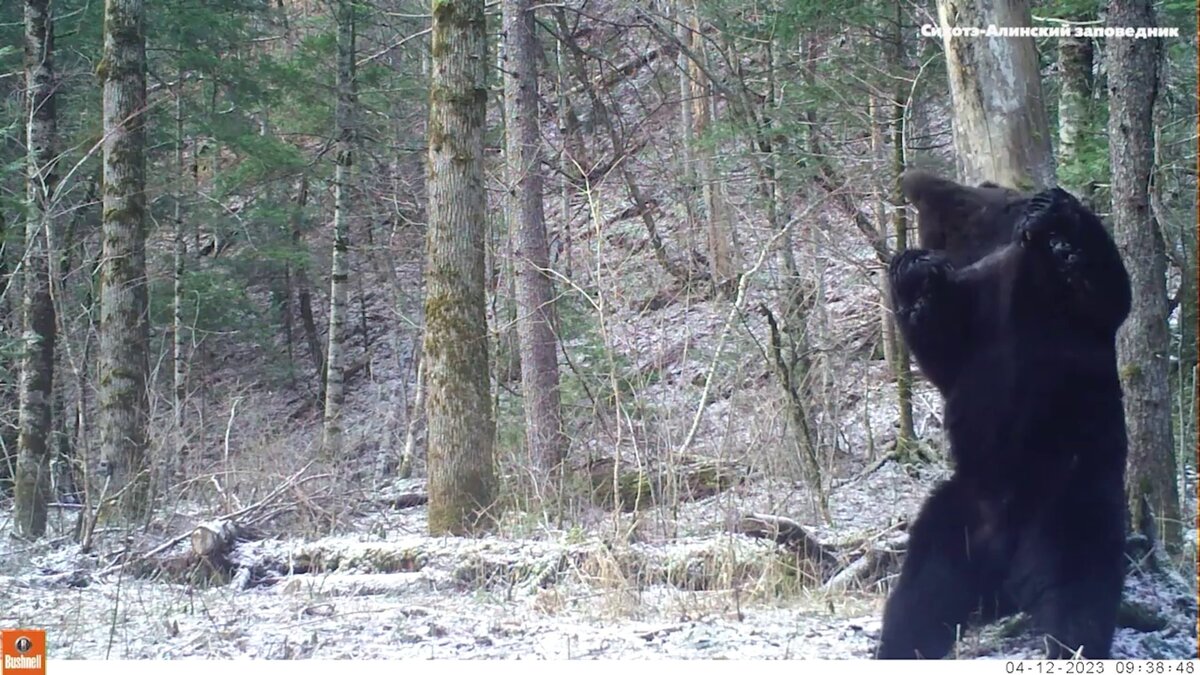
x=461, y=427
x=335, y=379
x=32, y=489
x=122, y=397
x=1143, y=343
x=536, y=319
x=1000, y=128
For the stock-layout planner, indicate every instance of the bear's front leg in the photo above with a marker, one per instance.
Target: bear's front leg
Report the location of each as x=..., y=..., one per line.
x=929, y=312
x=1072, y=253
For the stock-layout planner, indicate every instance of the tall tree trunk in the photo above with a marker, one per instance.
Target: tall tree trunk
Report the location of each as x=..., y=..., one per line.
x=687, y=125
x=1143, y=342
x=536, y=319
x=1074, y=97
x=304, y=293
x=124, y=327
x=881, y=186
x=335, y=380
x=4, y=273
x=906, y=439
x=462, y=479
x=9, y=400
x=65, y=485
x=718, y=227
x=69, y=370
x=281, y=299
x=565, y=164
x=1000, y=128
x=178, y=345
x=501, y=271
x=37, y=360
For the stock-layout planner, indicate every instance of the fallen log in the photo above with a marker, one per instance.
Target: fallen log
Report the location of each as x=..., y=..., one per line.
x=687, y=478
x=879, y=561
x=835, y=567
x=213, y=541
x=205, y=562
x=823, y=560
x=404, y=500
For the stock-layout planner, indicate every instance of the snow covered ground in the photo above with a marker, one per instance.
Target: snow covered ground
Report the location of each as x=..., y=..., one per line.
x=552, y=595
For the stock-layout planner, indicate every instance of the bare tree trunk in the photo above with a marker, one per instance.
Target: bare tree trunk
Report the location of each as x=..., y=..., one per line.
x=1074, y=96
x=687, y=126
x=718, y=227
x=67, y=471
x=64, y=482
x=877, y=113
x=4, y=272
x=536, y=318
x=335, y=380
x=1000, y=128
x=565, y=167
x=281, y=298
x=1143, y=342
x=178, y=345
x=37, y=361
x=502, y=274
x=768, y=175
x=124, y=327
x=462, y=479
x=304, y=294
x=907, y=436
x=416, y=415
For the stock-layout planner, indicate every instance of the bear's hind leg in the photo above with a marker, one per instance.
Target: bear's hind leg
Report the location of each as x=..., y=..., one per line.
x=941, y=581
x=1069, y=578
x=1079, y=615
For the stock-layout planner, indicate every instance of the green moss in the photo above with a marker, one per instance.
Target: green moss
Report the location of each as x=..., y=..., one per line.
x=461, y=488
x=1131, y=372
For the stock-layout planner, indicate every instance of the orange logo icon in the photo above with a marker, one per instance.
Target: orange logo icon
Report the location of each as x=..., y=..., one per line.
x=23, y=651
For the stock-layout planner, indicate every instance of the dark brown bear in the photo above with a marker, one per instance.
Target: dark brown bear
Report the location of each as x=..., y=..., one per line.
x=1011, y=309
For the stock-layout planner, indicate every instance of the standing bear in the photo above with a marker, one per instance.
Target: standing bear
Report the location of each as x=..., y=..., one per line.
x=1011, y=309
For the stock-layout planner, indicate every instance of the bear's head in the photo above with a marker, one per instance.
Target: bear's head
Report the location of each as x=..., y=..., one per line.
x=965, y=223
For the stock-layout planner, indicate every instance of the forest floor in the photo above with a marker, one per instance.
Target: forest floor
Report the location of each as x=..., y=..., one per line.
x=386, y=590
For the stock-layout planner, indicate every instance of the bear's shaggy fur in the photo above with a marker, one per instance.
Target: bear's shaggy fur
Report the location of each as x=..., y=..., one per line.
x=1011, y=309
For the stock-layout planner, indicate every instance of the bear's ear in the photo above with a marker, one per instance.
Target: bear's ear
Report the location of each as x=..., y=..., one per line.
x=956, y=218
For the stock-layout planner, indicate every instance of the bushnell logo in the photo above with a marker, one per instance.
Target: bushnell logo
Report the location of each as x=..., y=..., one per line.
x=24, y=652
